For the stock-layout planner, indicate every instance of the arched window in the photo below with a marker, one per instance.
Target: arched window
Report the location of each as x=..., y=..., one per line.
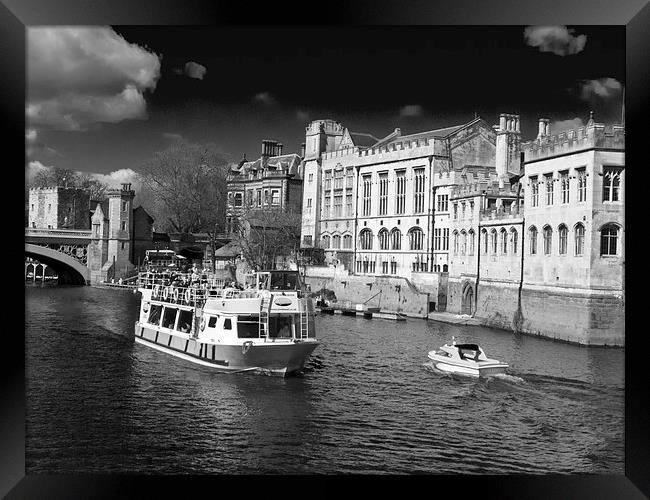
x=470, y=250
x=484, y=237
x=326, y=241
x=609, y=240
x=336, y=241
x=416, y=238
x=365, y=239
x=504, y=241
x=455, y=242
x=463, y=242
x=548, y=239
x=493, y=237
x=513, y=240
x=383, y=239
x=347, y=241
x=396, y=239
x=579, y=234
x=563, y=233
x=532, y=235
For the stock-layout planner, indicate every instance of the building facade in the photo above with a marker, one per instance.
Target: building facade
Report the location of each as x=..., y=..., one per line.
x=549, y=257
x=381, y=206
x=273, y=181
x=59, y=208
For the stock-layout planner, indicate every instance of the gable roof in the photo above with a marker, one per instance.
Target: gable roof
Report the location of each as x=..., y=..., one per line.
x=363, y=140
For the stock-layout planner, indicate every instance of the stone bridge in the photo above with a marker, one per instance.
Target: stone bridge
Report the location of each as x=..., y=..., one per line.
x=64, y=250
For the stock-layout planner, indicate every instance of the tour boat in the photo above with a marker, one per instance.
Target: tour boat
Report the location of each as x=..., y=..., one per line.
x=467, y=359
x=267, y=327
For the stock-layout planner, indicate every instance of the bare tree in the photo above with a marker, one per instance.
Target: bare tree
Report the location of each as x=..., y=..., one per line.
x=186, y=184
x=267, y=235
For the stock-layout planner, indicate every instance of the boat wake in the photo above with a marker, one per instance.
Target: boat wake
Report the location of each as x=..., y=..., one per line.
x=508, y=378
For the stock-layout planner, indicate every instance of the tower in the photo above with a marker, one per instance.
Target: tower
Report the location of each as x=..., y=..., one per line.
x=120, y=228
x=321, y=137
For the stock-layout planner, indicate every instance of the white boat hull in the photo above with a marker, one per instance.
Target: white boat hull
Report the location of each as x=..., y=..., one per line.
x=279, y=358
x=485, y=368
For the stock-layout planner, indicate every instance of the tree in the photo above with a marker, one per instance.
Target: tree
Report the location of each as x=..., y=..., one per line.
x=95, y=188
x=55, y=177
x=186, y=187
x=265, y=235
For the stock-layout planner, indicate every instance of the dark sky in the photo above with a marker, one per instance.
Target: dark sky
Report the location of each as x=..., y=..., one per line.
x=268, y=83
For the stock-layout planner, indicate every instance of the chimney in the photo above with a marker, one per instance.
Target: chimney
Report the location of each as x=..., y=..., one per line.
x=302, y=149
x=507, y=146
x=126, y=187
x=279, y=147
x=544, y=127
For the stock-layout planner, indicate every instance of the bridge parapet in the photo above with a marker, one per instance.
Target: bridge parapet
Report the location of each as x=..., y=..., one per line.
x=58, y=233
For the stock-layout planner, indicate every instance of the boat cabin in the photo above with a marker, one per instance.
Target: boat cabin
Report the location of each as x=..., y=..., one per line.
x=278, y=281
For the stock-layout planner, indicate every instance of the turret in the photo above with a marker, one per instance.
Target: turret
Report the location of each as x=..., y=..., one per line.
x=507, y=147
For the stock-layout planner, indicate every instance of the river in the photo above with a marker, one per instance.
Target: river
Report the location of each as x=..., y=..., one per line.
x=368, y=401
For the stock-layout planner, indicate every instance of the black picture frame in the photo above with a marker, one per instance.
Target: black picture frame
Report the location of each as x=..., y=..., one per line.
x=15, y=15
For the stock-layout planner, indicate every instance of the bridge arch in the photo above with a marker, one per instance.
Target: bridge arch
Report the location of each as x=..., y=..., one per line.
x=70, y=271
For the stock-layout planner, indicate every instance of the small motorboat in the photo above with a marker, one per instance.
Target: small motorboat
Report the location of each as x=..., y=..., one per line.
x=467, y=359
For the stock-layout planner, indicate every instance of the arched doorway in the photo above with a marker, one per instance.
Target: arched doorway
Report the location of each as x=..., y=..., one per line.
x=467, y=304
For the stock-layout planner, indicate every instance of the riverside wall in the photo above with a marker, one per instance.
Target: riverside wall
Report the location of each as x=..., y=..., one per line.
x=390, y=294
x=586, y=317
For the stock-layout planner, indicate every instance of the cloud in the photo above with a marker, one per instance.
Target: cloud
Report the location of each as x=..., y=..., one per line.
x=77, y=76
x=556, y=39
x=118, y=177
x=30, y=135
x=603, y=87
x=411, y=110
x=562, y=125
x=33, y=145
x=195, y=70
x=32, y=170
x=265, y=98
x=302, y=116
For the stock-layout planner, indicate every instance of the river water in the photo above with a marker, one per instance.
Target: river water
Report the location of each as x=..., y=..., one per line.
x=368, y=402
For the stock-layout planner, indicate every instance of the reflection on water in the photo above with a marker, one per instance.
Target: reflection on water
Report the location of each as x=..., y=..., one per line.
x=369, y=401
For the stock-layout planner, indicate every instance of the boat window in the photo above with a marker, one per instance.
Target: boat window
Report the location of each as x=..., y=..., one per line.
x=154, y=315
x=291, y=282
x=184, y=321
x=280, y=326
x=169, y=317
x=247, y=327
x=284, y=281
x=227, y=324
x=212, y=322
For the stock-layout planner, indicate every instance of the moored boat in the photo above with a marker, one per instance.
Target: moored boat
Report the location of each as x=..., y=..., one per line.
x=266, y=328
x=466, y=359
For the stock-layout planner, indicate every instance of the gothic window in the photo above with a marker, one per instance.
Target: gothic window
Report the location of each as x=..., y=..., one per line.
x=400, y=192
x=564, y=186
x=563, y=232
x=609, y=240
x=396, y=239
x=463, y=242
x=611, y=183
x=383, y=193
x=504, y=241
x=383, y=239
x=513, y=240
x=582, y=183
x=365, y=239
x=326, y=241
x=548, y=179
x=347, y=241
x=484, y=237
x=455, y=242
x=367, y=193
x=471, y=242
x=336, y=241
x=416, y=238
x=532, y=233
x=534, y=191
x=493, y=236
x=548, y=239
x=579, y=239
x=418, y=190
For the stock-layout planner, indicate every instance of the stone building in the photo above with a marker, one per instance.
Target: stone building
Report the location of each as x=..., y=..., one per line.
x=109, y=251
x=59, y=208
x=142, y=235
x=273, y=181
x=380, y=207
x=549, y=253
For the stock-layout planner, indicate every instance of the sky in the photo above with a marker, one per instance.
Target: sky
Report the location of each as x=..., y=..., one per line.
x=103, y=99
